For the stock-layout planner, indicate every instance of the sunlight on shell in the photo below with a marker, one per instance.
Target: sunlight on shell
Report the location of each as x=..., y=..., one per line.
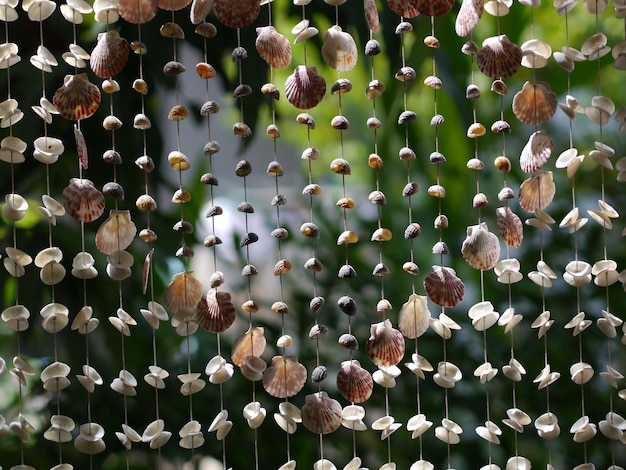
x=116, y=233
x=284, y=378
x=535, y=103
x=82, y=200
x=537, y=192
x=499, y=57
x=109, y=56
x=339, y=50
x=252, y=343
x=481, y=248
x=216, y=312
x=77, y=98
x=184, y=292
x=321, y=414
x=468, y=17
x=273, y=47
x=443, y=286
x=414, y=316
x=305, y=87
x=385, y=346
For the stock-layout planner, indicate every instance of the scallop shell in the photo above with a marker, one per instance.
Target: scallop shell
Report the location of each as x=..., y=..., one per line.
x=77, y=98
x=414, y=316
x=468, y=17
x=273, y=47
x=353, y=382
x=385, y=346
x=481, y=248
x=499, y=57
x=510, y=227
x=537, y=191
x=443, y=286
x=82, y=200
x=199, y=10
x=339, y=50
x=216, y=312
x=173, y=5
x=305, y=87
x=284, y=377
x=371, y=15
x=184, y=292
x=320, y=413
x=434, y=7
x=535, y=103
x=137, y=11
x=252, y=343
x=404, y=8
x=110, y=55
x=116, y=233
x=236, y=14
x=536, y=152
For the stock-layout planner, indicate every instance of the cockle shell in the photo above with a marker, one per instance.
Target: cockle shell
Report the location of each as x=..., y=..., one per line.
x=536, y=152
x=481, y=248
x=339, y=50
x=77, y=98
x=320, y=413
x=414, y=316
x=385, y=346
x=199, y=10
x=443, y=286
x=305, y=87
x=537, y=192
x=236, y=14
x=110, y=55
x=353, y=382
x=404, y=8
x=173, y=5
x=535, y=103
x=434, y=7
x=82, y=200
x=273, y=47
x=371, y=15
x=216, y=312
x=138, y=11
x=468, y=17
x=252, y=343
x=284, y=377
x=116, y=233
x=510, y=227
x=184, y=292
x=499, y=57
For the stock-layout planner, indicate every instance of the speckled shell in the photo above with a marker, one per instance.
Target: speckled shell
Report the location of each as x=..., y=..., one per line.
x=252, y=343
x=320, y=413
x=444, y=287
x=173, y=5
x=273, y=47
x=353, y=382
x=82, y=200
x=284, y=377
x=110, y=55
x=305, y=88
x=371, y=15
x=481, y=248
x=116, y=233
x=510, y=227
x=499, y=57
x=535, y=103
x=414, y=316
x=138, y=11
x=77, y=98
x=236, y=14
x=216, y=312
x=184, y=292
x=405, y=8
x=339, y=50
x=468, y=17
x=385, y=346
x=199, y=10
x=537, y=192
x=536, y=152
x=434, y=7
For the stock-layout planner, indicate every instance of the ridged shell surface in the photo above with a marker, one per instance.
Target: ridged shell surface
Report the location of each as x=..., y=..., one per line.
x=385, y=346
x=305, y=88
x=537, y=192
x=110, y=55
x=236, y=14
x=199, y=10
x=216, y=312
x=116, y=233
x=173, y=5
x=273, y=47
x=77, y=98
x=468, y=17
x=184, y=292
x=499, y=57
x=252, y=343
x=434, y=7
x=414, y=316
x=481, y=248
x=284, y=378
x=405, y=8
x=339, y=50
x=320, y=413
x=510, y=227
x=82, y=200
x=535, y=103
x=444, y=287
x=371, y=15
x=353, y=382
x=536, y=152
x=138, y=11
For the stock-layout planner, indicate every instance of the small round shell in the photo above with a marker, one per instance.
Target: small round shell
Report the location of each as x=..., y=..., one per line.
x=536, y=152
x=414, y=316
x=339, y=50
x=320, y=413
x=116, y=233
x=216, y=312
x=444, y=287
x=481, y=248
x=499, y=57
x=82, y=200
x=537, y=192
x=184, y=292
x=305, y=87
x=385, y=346
x=510, y=227
x=110, y=55
x=273, y=47
x=404, y=8
x=535, y=103
x=236, y=14
x=77, y=98
x=353, y=382
x=284, y=378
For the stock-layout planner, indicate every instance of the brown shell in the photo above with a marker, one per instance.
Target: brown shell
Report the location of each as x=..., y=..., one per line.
x=116, y=233
x=252, y=343
x=481, y=248
x=110, y=55
x=305, y=88
x=371, y=15
x=499, y=57
x=200, y=10
x=444, y=287
x=339, y=49
x=353, y=382
x=77, y=98
x=385, y=346
x=81, y=147
x=535, y=103
x=284, y=377
x=273, y=47
x=236, y=14
x=434, y=7
x=138, y=11
x=537, y=192
x=320, y=413
x=414, y=316
x=173, y=5
x=468, y=17
x=82, y=200
x=510, y=227
x=216, y=312
x=404, y=8
x=184, y=292
x=536, y=152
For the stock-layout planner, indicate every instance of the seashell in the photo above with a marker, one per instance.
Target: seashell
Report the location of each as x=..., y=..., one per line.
x=319, y=374
x=78, y=98
x=404, y=8
x=537, y=191
x=499, y=58
x=371, y=15
x=434, y=8
x=535, y=103
x=284, y=378
x=82, y=200
x=481, y=248
x=173, y=5
x=273, y=47
x=216, y=312
x=385, y=346
x=468, y=17
x=353, y=382
x=414, y=316
x=320, y=413
x=137, y=11
x=305, y=87
x=236, y=14
x=510, y=227
x=443, y=287
x=110, y=55
x=199, y=10
x=339, y=50
x=183, y=292
x=116, y=233
x=348, y=341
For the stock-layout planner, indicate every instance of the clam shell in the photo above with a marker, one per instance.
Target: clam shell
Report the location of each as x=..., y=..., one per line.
x=236, y=14
x=537, y=191
x=173, y=5
x=184, y=292
x=199, y=10
x=404, y=8
x=414, y=316
x=481, y=248
x=385, y=346
x=468, y=17
x=535, y=103
x=82, y=200
x=434, y=7
x=305, y=87
x=320, y=413
x=252, y=343
x=510, y=227
x=536, y=152
x=443, y=287
x=110, y=55
x=284, y=377
x=339, y=50
x=353, y=382
x=499, y=57
x=216, y=312
x=273, y=47
x=371, y=15
x=116, y=233
x=77, y=98
x=138, y=11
